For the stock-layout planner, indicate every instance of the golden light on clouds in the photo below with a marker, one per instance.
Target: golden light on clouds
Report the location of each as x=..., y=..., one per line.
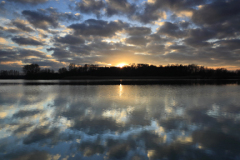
x=3, y=41
x=12, y=62
x=185, y=14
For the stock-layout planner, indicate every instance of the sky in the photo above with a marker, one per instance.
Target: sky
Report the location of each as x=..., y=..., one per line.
x=55, y=33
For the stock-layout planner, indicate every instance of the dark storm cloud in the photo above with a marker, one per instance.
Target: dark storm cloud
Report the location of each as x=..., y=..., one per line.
x=155, y=10
x=81, y=49
x=8, y=30
x=40, y=20
x=171, y=30
x=70, y=39
x=29, y=1
x=2, y=7
x=98, y=27
x=26, y=41
x=148, y=15
x=19, y=54
x=41, y=134
x=155, y=48
x=202, y=33
x=26, y=113
x=176, y=4
x=184, y=24
x=222, y=17
x=41, y=62
x=217, y=12
x=22, y=128
x=119, y=7
x=155, y=38
x=231, y=44
x=198, y=37
x=20, y=25
x=67, y=17
x=53, y=12
x=137, y=31
x=196, y=43
x=60, y=53
x=90, y=6
x=36, y=155
x=137, y=40
x=27, y=52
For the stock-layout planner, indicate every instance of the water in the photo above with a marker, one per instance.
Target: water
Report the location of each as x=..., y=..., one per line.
x=119, y=121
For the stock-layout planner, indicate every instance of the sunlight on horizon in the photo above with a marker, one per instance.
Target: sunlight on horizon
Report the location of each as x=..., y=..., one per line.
x=121, y=65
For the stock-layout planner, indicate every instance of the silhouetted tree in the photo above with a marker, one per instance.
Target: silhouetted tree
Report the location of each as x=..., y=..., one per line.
x=31, y=69
x=71, y=66
x=62, y=70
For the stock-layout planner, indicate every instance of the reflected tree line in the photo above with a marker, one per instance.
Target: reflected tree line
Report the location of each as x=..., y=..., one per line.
x=73, y=71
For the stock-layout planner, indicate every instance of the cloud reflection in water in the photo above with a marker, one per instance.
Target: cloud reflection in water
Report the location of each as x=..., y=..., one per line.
x=119, y=122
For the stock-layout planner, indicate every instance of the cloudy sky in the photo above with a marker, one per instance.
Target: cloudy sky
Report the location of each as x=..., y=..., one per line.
x=54, y=33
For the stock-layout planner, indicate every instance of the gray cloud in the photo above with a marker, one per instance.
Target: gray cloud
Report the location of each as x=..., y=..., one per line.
x=137, y=40
x=8, y=30
x=60, y=53
x=60, y=16
x=98, y=27
x=231, y=44
x=155, y=10
x=137, y=31
x=41, y=134
x=2, y=7
x=217, y=12
x=70, y=39
x=29, y=1
x=20, y=25
x=222, y=17
x=19, y=54
x=81, y=49
x=148, y=15
x=198, y=37
x=26, y=113
x=119, y=7
x=171, y=30
x=26, y=41
x=90, y=6
x=36, y=155
x=40, y=20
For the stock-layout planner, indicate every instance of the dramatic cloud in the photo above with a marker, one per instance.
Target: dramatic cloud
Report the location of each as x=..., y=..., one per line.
x=40, y=134
x=29, y=1
x=26, y=41
x=2, y=7
x=171, y=30
x=20, y=24
x=70, y=39
x=90, y=6
x=205, y=32
x=136, y=40
x=217, y=12
x=26, y=113
x=40, y=20
x=136, y=31
x=119, y=7
x=92, y=27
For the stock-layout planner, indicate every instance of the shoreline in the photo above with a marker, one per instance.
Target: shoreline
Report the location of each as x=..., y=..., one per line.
x=118, y=81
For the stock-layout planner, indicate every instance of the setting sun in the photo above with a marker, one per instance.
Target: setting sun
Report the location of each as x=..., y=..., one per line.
x=121, y=65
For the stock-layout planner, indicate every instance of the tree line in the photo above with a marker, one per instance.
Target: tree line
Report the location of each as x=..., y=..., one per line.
x=33, y=71
x=9, y=74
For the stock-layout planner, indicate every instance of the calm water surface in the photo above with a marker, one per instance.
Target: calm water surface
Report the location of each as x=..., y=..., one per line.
x=135, y=122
